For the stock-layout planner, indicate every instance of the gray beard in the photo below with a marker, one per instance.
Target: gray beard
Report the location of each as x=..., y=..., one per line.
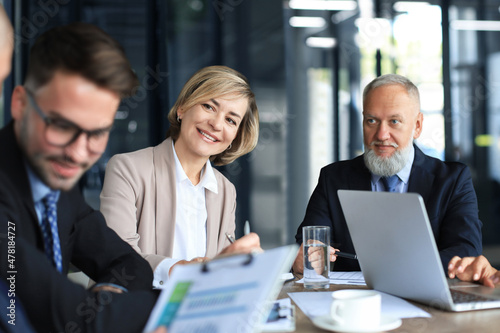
x=387, y=166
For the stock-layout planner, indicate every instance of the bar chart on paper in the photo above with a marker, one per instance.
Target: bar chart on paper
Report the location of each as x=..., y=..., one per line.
x=224, y=296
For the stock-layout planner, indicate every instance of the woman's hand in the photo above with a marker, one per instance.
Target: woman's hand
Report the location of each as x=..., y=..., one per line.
x=187, y=262
x=247, y=244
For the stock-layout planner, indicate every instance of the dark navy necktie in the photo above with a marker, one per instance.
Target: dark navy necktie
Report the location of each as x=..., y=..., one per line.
x=390, y=183
x=50, y=231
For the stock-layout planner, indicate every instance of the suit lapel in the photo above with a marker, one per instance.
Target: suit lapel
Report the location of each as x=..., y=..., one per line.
x=164, y=169
x=362, y=181
x=420, y=179
x=12, y=164
x=213, y=220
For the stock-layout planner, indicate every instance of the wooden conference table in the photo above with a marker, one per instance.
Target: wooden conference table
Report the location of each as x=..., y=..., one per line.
x=484, y=321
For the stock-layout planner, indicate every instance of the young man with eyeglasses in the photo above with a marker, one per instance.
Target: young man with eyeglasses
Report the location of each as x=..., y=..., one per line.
x=62, y=116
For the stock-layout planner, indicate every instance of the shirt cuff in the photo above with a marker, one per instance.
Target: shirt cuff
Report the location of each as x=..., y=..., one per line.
x=161, y=272
x=122, y=288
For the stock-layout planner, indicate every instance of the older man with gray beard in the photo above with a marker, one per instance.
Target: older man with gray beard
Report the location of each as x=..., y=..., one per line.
x=392, y=162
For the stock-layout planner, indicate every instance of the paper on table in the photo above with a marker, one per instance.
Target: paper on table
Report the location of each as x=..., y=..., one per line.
x=287, y=277
x=318, y=304
x=352, y=278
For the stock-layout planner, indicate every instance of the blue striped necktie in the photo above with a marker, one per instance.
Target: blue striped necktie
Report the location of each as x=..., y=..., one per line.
x=50, y=231
x=390, y=183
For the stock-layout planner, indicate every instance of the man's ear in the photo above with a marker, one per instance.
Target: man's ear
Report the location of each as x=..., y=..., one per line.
x=418, y=125
x=18, y=103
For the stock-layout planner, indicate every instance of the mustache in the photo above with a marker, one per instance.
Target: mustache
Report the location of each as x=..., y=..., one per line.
x=64, y=159
x=382, y=143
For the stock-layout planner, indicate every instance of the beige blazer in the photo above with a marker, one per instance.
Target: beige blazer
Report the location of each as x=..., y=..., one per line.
x=138, y=201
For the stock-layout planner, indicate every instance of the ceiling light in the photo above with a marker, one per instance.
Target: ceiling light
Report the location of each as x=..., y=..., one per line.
x=323, y=4
x=307, y=22
x=321, y=42
x=366, y=9
x=406, y=6
x=342, y=16
x=475, y=25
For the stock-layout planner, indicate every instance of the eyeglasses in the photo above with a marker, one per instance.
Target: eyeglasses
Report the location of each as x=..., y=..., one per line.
x=60, y=132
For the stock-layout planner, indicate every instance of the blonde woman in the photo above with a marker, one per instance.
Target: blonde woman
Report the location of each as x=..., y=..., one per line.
x=167, y=201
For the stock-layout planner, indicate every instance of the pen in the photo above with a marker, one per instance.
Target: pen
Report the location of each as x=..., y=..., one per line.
x=246, y=228
x=346, y=255
x=246, y=231
x=230, y=238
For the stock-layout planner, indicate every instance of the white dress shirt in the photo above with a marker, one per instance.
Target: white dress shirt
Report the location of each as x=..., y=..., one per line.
x=190, y=240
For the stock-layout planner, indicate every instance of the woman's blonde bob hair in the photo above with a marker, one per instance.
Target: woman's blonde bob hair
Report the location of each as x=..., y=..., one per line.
x=216, y=82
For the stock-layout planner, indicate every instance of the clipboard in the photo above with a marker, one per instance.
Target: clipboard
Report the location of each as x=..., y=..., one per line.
x=230, y=294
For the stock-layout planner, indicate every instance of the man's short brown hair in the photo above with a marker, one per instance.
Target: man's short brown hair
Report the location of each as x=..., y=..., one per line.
x=85, y=50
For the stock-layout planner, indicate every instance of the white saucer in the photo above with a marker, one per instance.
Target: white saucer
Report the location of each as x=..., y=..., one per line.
x=386, y=323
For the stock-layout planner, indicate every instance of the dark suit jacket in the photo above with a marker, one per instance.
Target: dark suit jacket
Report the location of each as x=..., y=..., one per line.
x=446, y=188
x=55, y=304
x=14, y=319
x=85, y=239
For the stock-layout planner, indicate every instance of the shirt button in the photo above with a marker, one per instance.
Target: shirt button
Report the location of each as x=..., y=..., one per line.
x=161, y=282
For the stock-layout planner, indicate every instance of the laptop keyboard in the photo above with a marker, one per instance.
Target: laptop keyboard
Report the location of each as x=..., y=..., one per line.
x=464, y=297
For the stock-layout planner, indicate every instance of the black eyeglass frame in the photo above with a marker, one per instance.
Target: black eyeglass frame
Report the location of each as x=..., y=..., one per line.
x=91, y=135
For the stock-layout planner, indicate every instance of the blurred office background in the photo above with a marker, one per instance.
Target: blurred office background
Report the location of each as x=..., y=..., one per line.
x=307, y=62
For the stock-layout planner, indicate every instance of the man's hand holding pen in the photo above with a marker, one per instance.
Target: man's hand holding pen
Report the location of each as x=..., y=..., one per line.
x=298, y=265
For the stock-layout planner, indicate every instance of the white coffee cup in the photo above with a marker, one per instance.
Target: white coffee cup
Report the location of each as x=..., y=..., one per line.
x=356, y=309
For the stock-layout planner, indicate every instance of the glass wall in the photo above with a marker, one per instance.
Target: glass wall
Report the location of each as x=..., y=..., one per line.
x=241, y=35
x=475, y=80
x=308, y=68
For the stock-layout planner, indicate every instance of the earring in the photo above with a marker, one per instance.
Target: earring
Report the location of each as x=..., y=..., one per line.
x=230, y=146
x=178, y=119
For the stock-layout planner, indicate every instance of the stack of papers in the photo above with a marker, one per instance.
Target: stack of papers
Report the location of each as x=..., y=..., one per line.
x=352, y=278
x=315, y=304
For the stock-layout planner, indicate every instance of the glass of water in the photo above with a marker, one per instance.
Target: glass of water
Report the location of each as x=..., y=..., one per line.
x=316, y=256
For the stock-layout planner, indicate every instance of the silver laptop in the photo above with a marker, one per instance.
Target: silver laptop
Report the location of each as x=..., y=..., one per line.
x=398, y=254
